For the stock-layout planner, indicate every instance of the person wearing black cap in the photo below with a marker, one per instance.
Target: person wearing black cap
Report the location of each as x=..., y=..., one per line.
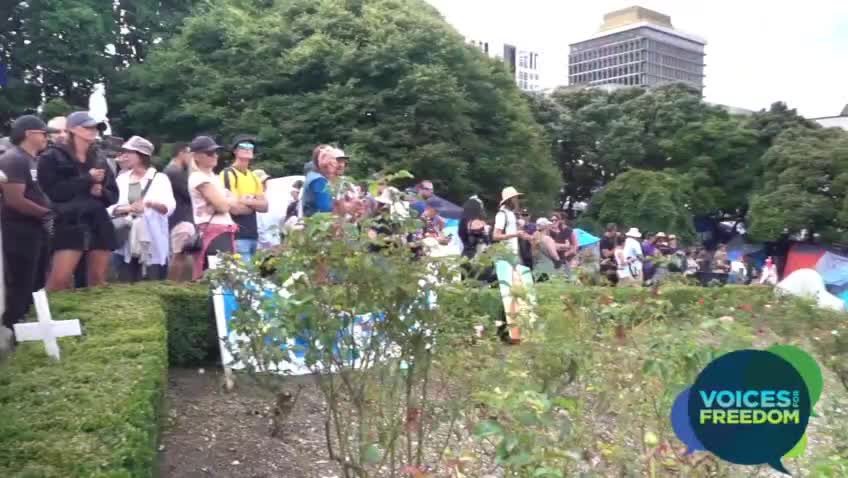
x=77, y=179
x=26, y=212
x=247, y=187
x=212, y=204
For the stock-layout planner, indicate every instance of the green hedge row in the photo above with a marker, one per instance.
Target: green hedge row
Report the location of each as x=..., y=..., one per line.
x=96, y=413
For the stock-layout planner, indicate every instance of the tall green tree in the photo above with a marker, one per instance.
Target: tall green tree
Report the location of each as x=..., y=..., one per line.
x=650, y=200
x=596, y=135
x=805, y=186
x=61, y=48
x=388, y=80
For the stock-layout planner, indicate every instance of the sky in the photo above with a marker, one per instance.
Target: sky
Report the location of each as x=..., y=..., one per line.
x=758, y=51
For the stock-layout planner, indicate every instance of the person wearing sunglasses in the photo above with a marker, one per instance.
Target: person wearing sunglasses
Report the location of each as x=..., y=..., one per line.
x=25, y=211
x=248, y=188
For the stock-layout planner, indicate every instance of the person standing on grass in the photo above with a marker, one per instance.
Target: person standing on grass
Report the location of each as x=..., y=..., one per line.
x=211, y=204
x=424, y=192
x=633, y=255
x=58, y=125
x=566, y=241
x=79, y=183
x=181, y=222
x=242, y=182
x=506, y=223
x=608, y=266
x=26, y=212
x=316, y=196
x=145, y=201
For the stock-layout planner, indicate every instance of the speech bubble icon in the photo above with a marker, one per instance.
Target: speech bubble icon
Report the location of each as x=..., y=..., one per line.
x=777, y=465
x=798, y=449
x=681, y=424
x=806, y=367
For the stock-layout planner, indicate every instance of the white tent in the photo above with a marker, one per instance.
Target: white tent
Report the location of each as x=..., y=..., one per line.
x=278, y=193
x=809, y=284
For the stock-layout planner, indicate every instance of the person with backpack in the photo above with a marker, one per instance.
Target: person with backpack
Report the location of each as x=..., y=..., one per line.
x=506, y=222
x=248, y=188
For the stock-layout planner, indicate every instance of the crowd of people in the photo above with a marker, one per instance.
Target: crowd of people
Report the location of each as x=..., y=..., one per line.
x=79, y=211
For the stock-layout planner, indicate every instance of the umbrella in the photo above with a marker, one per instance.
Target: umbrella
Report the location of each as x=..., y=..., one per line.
x=445, y=208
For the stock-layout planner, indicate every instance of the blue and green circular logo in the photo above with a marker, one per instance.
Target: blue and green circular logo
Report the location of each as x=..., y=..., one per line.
x=751, y=406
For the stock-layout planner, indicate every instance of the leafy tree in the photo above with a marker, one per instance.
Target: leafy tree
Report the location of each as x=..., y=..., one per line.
x=595, y=135
x=388, y=80
x=650, y=200
x=590, y=138
x=804, y=185
x=61, y=48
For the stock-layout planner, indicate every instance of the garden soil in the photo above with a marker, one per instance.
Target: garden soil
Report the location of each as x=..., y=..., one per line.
x=210, y=433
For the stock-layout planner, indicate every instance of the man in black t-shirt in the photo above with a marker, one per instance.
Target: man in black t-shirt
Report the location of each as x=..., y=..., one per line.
x=26, y=212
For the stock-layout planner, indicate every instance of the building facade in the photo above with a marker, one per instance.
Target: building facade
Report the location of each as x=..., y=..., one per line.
x=522, y=63
x=637, y=47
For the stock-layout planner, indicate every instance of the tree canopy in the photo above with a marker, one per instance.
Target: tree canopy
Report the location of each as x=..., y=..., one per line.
x=805, y=182
x=650, y=200
x=61, y=48
x=388, y=80
x=596, y=135
x=777, y=170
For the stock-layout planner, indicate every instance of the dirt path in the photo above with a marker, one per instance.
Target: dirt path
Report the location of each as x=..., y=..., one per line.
x=209, y=433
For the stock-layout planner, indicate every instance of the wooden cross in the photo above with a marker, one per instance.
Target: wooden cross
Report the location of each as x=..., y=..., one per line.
x=46, y=329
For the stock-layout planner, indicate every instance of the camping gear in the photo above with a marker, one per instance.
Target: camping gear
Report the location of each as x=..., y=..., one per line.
x=809, y=284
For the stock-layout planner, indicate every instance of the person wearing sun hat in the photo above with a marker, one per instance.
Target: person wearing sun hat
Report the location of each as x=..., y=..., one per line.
x=633, y=254
x=506, y=222
x=145, y=201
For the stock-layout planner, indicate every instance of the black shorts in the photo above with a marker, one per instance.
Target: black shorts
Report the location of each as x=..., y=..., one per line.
x=84, y=237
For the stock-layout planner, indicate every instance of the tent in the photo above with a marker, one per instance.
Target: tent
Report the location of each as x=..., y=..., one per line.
x=808, y=283
x=278, y=193
x=585, y=239
x=737, y=248
x=802, y=256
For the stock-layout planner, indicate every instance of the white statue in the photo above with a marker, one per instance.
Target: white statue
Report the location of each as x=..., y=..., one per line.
x=98, y=108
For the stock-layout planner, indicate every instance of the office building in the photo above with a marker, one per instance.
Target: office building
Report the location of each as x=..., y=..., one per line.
x=637, y=47
x=522, y=63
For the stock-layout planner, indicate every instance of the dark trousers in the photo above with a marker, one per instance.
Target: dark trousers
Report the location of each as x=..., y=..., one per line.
x=132, y=272
x=24, y=267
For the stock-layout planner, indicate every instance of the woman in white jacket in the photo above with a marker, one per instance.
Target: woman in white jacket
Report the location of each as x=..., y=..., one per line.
x=145, y=201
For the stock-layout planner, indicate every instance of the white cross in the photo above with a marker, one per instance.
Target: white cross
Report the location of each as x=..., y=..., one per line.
x=46, y=329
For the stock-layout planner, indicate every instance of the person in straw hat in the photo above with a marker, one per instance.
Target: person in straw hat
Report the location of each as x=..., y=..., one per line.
x=506, y=221
x=633, y=256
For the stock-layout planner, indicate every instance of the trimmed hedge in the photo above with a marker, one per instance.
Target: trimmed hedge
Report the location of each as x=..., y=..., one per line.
x=191, y=333
x=96, y=413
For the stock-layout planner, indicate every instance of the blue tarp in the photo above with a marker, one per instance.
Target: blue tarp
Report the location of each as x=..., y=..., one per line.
x=833, y=269
x=585, y=239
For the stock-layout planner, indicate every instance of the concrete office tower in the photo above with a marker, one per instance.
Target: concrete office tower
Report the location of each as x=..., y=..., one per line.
x=522, y=63
x=637, y=47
